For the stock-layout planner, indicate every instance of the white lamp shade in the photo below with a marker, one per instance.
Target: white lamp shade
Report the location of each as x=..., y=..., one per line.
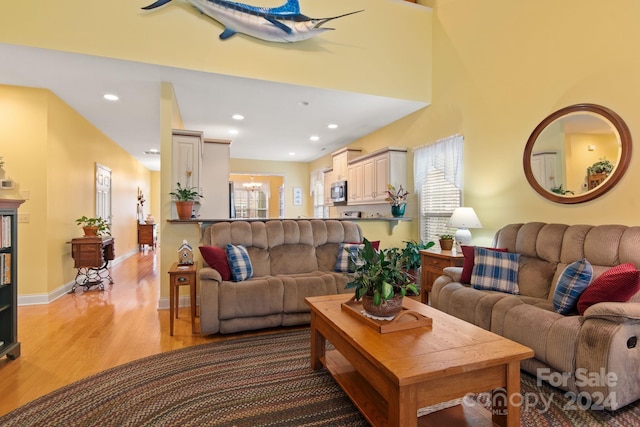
x=464, y=219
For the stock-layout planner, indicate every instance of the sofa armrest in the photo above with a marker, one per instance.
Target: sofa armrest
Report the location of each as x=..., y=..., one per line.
x=209, y=284
x=618, y=312
x=453, y=272
x=208, y=273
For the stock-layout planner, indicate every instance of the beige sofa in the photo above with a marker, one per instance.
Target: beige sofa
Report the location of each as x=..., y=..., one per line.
x=597, y=352
x=291, y=260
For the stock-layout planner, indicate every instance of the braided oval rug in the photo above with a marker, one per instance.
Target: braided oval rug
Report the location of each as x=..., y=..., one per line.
x=248, y=381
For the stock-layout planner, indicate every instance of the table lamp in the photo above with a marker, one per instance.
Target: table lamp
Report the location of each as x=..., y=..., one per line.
x=464, y=219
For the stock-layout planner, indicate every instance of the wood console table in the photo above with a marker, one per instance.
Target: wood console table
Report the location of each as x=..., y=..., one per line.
x=147, y=235
x=91, y=257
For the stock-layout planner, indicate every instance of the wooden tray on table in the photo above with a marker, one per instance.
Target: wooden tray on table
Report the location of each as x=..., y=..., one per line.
x=406, y=319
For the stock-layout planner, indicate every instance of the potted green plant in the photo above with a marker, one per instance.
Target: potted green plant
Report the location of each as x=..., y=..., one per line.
x=446, y=242
x=410, y=259
x=185, y=197
x=379, y=280
x=601, y=166
x=94, y=226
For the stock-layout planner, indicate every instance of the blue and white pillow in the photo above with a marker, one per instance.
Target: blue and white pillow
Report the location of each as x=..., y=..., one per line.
x=495, y=271
x=344, y=263
x=572, y=282
x=239, y=262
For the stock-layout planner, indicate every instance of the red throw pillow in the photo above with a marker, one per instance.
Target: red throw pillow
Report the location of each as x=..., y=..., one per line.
x=469, y=261
x=617, y=284
x=216, y=258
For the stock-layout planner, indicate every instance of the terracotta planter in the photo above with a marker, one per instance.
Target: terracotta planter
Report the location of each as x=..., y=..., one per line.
x=184, y=209
x=446, y=244
x=90, y=231
x=385, y=309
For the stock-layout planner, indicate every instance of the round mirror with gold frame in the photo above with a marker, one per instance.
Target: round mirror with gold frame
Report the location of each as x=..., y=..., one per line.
x=577, y=153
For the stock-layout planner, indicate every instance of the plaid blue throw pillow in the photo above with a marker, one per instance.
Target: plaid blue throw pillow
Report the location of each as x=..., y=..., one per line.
x=572, y=282
x=239, y=263
x=345, y=251
x=495, y=271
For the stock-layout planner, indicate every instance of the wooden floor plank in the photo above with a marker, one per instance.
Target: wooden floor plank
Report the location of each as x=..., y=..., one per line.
x=89, y=331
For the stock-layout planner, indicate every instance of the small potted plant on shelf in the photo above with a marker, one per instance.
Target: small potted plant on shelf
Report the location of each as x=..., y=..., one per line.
x=185, y=198
x=379, y=280
x=446, y=242
x=397, y=199
x=94, y=226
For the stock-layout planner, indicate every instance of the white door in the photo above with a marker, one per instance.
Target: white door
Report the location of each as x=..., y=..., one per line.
x=103, y=192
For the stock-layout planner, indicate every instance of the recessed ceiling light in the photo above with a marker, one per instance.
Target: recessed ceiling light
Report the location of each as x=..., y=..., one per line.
x=292, y=154
x=111, y=97
x=333, y=126
x=233, y=132
x=303, y=103
x=315, y=138
x=237, y=117
x=154, y=150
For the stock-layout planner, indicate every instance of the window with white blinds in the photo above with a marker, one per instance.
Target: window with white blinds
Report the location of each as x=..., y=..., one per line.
x=438, y=199
x=317, y=193
x=438, y=178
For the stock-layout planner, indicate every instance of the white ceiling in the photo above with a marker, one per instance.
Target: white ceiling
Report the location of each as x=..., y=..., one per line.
x=276, y=121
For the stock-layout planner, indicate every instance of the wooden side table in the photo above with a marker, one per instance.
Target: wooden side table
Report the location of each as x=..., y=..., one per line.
x=182, y=275
x=433, y=265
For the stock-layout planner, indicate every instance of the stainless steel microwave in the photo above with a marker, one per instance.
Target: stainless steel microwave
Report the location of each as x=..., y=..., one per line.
x=339, y=192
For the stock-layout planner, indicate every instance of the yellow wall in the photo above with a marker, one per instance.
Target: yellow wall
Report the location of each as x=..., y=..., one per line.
x=177, y=35
x=496, y=76
x=51, y=152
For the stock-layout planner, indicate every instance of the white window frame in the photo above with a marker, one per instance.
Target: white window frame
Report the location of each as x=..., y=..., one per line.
x=438, y=181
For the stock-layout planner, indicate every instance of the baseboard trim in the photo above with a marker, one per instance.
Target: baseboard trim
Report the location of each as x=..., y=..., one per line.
x=44, y=299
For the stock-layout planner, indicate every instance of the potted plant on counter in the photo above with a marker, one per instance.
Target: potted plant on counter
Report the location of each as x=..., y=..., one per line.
x=397, y=199
x=379, y=280
x=94, y=226
x=185, y=197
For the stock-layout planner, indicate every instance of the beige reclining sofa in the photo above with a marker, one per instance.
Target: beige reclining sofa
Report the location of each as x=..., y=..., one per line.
x=290, y=259
x=598, y=352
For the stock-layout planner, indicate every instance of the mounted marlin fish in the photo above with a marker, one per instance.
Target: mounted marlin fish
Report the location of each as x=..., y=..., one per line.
x=283, y=24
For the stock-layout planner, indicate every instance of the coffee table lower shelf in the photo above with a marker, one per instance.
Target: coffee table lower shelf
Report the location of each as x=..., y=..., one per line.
x=362, y=395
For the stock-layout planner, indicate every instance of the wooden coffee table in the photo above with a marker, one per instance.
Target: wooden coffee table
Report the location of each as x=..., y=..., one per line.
x=390, y=376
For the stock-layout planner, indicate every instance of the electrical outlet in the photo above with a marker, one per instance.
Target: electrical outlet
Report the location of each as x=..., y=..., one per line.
x=23, y=217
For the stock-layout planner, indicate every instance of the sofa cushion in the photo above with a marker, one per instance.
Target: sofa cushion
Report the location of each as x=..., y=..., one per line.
x=297, y=287
x=617, y=284
x=469, y=262
x=260, y=296
x=216, y=258
x=293, y=259
x=345, y=253
x=495, y=271
x=572, y=282
x=239, y=262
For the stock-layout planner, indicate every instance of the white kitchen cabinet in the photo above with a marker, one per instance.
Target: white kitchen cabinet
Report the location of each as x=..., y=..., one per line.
x=355, y=180
x=341, y=160
x=382, y=167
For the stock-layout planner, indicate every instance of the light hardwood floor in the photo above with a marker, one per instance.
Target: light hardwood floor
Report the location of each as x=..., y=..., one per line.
x=87, y=332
